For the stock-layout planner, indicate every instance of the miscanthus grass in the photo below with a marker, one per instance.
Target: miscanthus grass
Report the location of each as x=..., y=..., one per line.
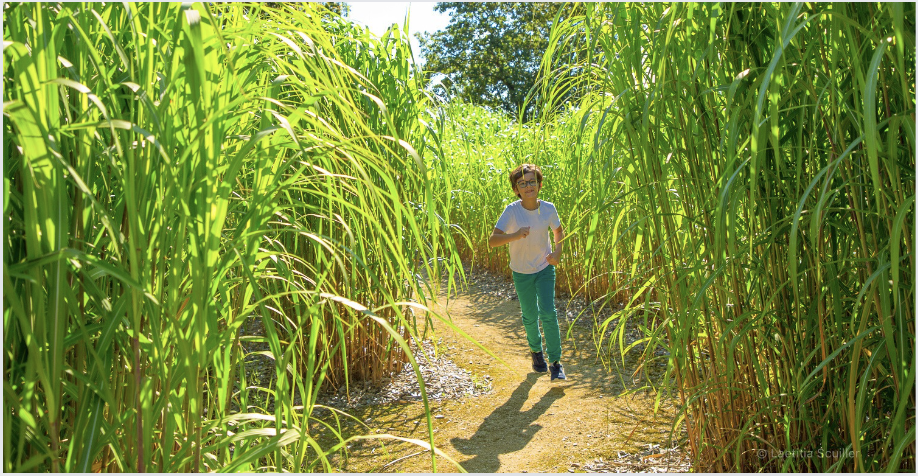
x=768, y=151
x=739, y=177
x=743, y=175
x=172, y=171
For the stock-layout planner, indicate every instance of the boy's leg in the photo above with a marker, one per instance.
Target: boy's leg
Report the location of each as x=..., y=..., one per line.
x=526, y=292
x=545, y=289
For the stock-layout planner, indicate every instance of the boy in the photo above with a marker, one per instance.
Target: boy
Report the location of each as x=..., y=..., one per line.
x=533, y=263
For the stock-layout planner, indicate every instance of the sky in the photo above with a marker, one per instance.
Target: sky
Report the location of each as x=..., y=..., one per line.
x=378, y=16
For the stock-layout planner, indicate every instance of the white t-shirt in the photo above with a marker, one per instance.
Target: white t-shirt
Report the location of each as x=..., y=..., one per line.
x=527, y=256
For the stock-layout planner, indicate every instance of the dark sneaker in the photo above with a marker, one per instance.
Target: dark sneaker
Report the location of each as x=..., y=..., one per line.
x=538, y=362
x=557, y=371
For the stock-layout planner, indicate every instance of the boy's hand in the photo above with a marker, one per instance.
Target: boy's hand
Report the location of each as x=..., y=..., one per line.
x=553, y=258
x=522, y=232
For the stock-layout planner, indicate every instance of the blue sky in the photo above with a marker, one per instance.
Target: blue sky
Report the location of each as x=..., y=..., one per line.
x=378, y=16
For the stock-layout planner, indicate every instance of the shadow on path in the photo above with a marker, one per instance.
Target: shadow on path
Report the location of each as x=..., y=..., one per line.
x=509, y=425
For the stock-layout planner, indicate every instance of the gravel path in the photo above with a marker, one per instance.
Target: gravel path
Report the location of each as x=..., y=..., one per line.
x=492, y=417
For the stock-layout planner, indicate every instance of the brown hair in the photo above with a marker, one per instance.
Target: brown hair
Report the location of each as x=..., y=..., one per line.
x=524, y=169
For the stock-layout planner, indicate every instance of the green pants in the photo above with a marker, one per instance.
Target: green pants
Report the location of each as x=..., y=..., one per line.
x=537, y=302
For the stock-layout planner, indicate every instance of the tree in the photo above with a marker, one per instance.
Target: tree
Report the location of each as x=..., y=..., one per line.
x=491, y=52
x=340, y=8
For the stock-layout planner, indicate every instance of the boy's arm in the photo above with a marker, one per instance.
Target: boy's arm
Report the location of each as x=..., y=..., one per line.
x=499, y=238
x=559, y=237
x=555, y=256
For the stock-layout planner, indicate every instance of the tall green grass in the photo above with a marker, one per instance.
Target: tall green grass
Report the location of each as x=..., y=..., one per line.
x=769, y=154
x=740, y=177
x=172, y=171
x=482, y=146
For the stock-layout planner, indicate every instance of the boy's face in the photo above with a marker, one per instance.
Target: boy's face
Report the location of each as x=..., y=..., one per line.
x=528, y=186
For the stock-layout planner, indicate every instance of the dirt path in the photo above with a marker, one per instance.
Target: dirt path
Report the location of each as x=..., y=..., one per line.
x=526, y=423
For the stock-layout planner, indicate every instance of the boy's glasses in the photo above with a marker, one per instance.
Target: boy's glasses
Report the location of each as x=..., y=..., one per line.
x=524, y=184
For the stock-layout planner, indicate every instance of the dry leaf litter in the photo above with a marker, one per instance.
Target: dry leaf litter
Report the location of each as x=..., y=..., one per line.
x=655, y=459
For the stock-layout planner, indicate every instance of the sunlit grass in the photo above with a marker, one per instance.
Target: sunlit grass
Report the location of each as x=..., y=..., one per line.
x=171, y=172
x=768, y=155
x=737, y=177
x=743, y=175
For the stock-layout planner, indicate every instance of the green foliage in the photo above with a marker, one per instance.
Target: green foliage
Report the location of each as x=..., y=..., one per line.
x=740, y=178
x=338, y=8
x=491, y=51
x=767, y=157
x=481, y=147
x=174, y=172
